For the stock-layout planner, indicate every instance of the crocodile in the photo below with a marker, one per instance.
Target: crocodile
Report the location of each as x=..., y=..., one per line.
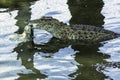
x=62, y=31
x=80, y=33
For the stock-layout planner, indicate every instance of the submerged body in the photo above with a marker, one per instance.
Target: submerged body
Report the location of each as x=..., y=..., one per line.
x=65, y=32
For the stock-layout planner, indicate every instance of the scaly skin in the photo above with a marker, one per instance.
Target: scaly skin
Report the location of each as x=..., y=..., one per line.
x=64, y=32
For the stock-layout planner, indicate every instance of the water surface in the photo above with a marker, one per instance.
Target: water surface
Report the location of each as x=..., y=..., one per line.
x=56, y=60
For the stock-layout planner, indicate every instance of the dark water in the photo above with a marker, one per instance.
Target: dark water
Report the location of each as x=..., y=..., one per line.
x=56, y=60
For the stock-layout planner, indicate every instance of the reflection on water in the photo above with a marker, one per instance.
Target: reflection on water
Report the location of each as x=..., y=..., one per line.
x=26, y=55
x=112, y=48
x=6, y=30
x=86, y=12
x=57, y=60
x=111, y=12
x=58, y=65
x=24, y=13
x=56, y=8
x=89, y=57
x=14, y=4
x=23, y=17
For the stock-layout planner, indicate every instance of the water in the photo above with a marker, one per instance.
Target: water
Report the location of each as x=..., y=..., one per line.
x=56, y=60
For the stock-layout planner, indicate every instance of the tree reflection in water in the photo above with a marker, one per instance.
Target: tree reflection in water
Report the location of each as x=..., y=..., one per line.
x=26, y=53
x=24, y=13
x=89, y=57
x=83, y=12
x=86, y=12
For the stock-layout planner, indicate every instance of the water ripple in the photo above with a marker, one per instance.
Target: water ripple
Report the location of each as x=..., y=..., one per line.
x=111, y=11
x=59, y=66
